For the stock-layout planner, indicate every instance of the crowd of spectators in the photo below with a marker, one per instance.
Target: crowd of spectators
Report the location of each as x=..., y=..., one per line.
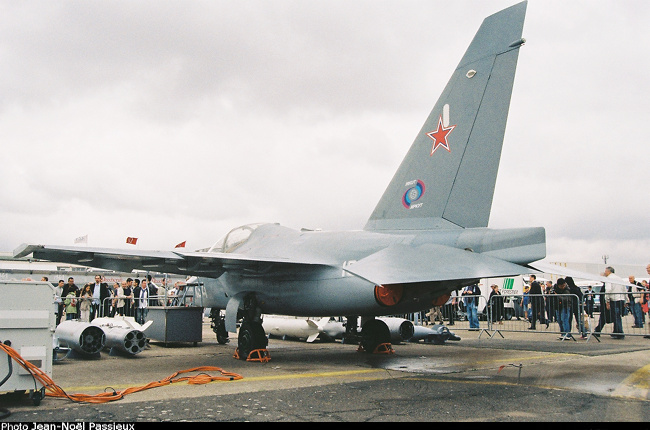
x=130, y=298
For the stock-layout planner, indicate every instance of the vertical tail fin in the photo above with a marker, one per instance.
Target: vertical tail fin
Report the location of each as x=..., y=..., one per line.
x=447, y=178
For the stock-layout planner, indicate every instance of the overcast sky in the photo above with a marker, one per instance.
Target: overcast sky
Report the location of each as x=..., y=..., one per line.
x=179, y=120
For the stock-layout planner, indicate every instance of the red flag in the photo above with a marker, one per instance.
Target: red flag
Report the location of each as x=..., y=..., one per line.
x=181, y=245
x=131, y=240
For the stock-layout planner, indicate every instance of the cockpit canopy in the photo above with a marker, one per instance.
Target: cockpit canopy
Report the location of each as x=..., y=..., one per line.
x=235, y=238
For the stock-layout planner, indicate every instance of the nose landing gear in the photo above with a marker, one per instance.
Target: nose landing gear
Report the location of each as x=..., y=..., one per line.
x=251, y=333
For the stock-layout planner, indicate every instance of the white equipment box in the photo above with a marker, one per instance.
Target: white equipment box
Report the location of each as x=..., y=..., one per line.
x=27, y=323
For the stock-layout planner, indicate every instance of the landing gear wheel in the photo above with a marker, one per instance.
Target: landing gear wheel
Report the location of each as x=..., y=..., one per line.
x=222, y=335
x=219, y=326
x=251, y=336
x=373, y=334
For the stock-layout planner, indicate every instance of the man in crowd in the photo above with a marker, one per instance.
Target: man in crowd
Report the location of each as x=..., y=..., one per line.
x=563, y=306
x=615, y=301
x=70, y=286
x=153, y=291
x=636, y=299
x=141, y=297
x=470, y=295
x=99, y=305
x=58, y=292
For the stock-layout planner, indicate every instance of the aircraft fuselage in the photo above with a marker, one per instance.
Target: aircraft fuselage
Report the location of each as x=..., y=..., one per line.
x=326, y=288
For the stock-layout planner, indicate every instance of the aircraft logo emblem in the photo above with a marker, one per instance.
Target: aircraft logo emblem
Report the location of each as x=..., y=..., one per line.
x=440, y=136
x=413, y=194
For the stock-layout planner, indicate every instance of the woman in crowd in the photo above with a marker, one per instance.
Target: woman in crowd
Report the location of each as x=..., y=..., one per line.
x=84, y=303
x=495, y=303
x=128, y=299
x=118, y=301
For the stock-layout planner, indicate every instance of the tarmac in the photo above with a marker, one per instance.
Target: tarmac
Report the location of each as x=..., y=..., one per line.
x=484, y=377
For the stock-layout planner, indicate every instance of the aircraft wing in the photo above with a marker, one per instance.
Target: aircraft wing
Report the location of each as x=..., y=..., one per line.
x=399, y=264
x=123, y=260
x=211, y=264
x=555, y=269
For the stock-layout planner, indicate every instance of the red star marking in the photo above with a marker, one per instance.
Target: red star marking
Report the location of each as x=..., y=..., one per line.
x=440, y=136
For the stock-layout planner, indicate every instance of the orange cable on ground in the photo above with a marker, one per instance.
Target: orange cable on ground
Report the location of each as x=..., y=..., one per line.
x=54, y=390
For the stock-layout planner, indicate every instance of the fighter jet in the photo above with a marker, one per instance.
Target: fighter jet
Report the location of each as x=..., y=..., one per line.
x=427, y=236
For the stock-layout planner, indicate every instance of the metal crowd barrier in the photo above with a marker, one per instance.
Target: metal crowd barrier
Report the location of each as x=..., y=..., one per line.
x=109, y=304
x=543, y=308
x=513, y=313
x=457, y=315
x=634, y=322
x=541, y=313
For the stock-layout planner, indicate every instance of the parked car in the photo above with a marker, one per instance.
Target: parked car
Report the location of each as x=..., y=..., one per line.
x=596, y=288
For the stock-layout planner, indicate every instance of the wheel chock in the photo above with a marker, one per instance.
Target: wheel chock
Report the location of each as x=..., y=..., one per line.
x=382, y=348
x=263, y=355
x=260, y=355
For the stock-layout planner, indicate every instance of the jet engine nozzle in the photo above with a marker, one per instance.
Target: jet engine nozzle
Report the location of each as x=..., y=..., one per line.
x=400, y=329
x=81, y=336
x=126, y=340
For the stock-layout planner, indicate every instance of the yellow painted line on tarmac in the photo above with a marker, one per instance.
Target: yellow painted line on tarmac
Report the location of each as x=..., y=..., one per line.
x=635, y=386
x=312, y=375
x=343, y=373
x=75, y=390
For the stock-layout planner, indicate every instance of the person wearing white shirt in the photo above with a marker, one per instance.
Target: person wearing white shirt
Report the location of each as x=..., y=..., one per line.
x=141, y=294
x=615, y=301
x=58, y=292
x=100, y=302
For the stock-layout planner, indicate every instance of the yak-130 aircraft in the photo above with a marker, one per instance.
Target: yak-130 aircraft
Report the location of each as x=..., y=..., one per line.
x=427, y=236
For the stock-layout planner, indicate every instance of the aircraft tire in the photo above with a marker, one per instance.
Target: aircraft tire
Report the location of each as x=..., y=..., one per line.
x=219, y=326
x=222, y=338
x=374, y=333
x=251, y=337
x=221, y=332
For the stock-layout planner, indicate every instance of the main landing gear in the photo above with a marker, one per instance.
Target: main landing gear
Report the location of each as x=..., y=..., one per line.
x=374, y=338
